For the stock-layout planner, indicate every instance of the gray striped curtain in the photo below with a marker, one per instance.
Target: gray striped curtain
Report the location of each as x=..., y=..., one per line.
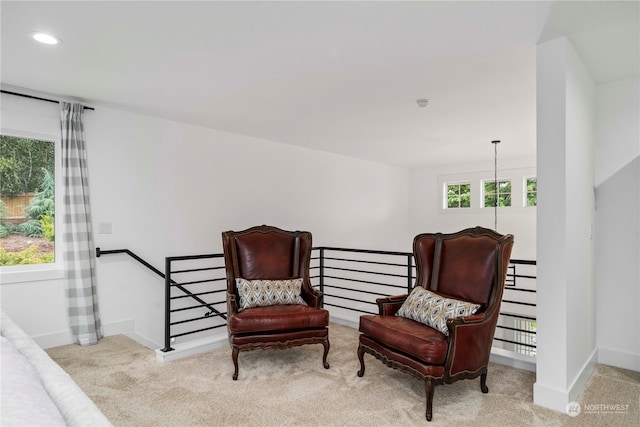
x=78, y=245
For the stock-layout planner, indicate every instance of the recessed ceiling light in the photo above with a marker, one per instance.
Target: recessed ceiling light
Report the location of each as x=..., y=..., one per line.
x=45, y=38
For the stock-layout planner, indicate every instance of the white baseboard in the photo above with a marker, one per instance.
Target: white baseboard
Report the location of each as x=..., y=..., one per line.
x=556, y=399
x=151, y=345
x=580, y=381
x=550, y=398
x=619, y=359
x=127, y=328
x=512, y=359
x=121, y=327
x=55, y=339
x=191, y=348
x=345, y=322
x=58, y=339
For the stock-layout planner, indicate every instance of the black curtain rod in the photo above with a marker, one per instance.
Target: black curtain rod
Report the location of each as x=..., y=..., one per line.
x=38, y=98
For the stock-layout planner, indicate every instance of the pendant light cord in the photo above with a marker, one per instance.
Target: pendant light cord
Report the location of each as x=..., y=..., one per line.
x=495, y=183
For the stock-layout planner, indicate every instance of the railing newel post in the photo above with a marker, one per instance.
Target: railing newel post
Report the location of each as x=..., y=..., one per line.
x=167, y=305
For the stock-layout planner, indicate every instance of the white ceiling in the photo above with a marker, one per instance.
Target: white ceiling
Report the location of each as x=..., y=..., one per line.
x=341, y=77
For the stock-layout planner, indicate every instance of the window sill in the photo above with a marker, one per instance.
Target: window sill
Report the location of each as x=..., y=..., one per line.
x=9, y=275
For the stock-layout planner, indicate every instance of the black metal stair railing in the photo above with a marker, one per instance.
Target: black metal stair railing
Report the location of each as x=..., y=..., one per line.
x=518, y=308
x=172, y=284
x=350, y=279
x=179, y=318
x=359, y=276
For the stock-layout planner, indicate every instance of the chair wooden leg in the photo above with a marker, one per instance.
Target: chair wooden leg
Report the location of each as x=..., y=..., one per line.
x=428, y=389
x=483, y=383
x=326, y=352
x=234, y=356
x=361, y=358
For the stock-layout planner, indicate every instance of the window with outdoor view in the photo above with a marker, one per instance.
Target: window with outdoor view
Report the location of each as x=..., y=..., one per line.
x=499, y=192
x=458, y=195
x=27, y=201
x=531, y=192
x=525, y=337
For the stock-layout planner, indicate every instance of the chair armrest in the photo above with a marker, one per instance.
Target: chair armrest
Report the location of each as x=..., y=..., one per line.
x=470, y=341
x=465, y=320
x=390, y=305
x=312, y=296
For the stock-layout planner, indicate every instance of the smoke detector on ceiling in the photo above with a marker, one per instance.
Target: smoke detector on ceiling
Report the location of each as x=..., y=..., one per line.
x=422, y=102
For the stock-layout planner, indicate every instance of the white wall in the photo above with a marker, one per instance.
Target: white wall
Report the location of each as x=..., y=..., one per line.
x=617, y=126
x=618, y=223
x=171, y=189
x=427, y=214
x=566, y=351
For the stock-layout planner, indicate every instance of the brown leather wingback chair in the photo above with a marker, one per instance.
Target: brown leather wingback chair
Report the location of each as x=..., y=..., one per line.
x=470, y=265
x=269, y=253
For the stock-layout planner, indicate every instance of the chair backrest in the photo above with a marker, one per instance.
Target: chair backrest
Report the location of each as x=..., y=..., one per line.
x=266, y=252
x=470, y=265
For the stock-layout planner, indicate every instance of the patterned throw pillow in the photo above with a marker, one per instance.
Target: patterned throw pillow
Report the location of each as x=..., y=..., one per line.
x=433, y=310
x=262, y=293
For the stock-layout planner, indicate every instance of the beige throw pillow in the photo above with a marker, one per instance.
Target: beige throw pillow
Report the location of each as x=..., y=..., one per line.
x=434, y=310
x=263, y=293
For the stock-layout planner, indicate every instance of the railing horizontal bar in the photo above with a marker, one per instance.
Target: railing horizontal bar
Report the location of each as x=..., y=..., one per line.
x=364, y=251
x=518, y=316
x=528, y=304
x=367, y=262
x=354, y=290
x=175, y=310
x=193, y=270
x=199, y=281
x=100, y=252
x=516, y=329
x=515, y=342
x=523, y=276
x=522, y=261
x=200, y=293
x=196, y=331
x=366, y=271
x=349, y=308
x=190, y=257
x=520, y=289
x=351, y=299
x=193, y=320
x=364, y=281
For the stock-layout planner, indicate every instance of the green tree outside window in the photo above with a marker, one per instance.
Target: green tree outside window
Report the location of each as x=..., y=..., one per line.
x=532, y=192
x=459, y=195
x=500, y=192
x=27, y=168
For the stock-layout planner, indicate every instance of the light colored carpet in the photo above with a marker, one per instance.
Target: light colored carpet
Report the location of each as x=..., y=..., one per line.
x=290, y=388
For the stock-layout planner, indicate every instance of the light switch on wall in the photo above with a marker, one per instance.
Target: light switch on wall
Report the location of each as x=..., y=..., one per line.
x=104, y=228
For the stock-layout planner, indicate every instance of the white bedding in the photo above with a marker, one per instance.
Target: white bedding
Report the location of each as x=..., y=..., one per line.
x=35, y=391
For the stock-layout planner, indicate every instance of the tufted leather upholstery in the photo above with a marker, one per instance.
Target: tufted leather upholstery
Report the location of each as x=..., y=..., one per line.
x=470, y=265
x=266, y=252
